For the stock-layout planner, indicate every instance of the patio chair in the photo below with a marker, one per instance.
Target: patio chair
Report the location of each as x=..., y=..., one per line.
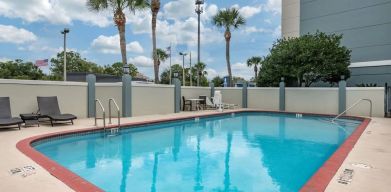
x=48, y=108
x=186, y=103
x=203, y=102
x=6, y=118
x=224, y=105
x=209, y=104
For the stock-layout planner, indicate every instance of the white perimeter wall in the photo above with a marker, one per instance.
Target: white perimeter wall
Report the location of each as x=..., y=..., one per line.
x=105, y=91
x=152, y=99
x=376, y=94
x=195, y=92
x=159, y=99
x=72, y=97
x=263, y=98
x=312, y=100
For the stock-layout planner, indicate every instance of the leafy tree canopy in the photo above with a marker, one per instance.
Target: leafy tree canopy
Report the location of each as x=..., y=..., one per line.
x=310, y=58
x=20, y=70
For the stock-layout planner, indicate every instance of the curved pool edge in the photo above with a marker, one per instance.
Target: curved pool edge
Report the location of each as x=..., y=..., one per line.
x=318, y=181
x=322, y=177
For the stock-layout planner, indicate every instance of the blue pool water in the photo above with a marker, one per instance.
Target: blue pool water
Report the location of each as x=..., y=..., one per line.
x=241, y=152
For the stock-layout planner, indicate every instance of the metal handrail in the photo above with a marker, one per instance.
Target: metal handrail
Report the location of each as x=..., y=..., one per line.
x=355, y=104
x=104, y=113
x=118, y=111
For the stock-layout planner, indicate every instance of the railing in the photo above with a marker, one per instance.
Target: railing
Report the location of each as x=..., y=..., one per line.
x=118, y=111
x=103, y=111
x=352, y=106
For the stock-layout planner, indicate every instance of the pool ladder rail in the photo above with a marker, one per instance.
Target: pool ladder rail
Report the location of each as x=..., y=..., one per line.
x=111, y=100
x=354, y=105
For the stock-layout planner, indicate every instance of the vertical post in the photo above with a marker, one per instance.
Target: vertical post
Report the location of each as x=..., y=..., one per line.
x=244, y=95
x=126, y=95
x=282, y=94
x=177, y=95
x=65, y=56
x=91, y=80
x=342, y=95
x=212, y=89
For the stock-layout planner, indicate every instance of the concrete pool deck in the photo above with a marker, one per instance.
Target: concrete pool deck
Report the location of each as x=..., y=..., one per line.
x=373, y=148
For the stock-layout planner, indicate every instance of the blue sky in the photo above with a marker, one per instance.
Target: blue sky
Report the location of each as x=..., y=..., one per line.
x=30, y=30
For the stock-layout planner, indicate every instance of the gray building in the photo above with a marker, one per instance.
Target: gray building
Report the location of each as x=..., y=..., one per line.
x=366, y=29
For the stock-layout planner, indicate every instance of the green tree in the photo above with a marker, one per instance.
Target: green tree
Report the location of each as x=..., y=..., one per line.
x=74, y=64
x=118, y=7
x=218, y=81
x=116, y=69
x=199, y=69
x=155, y=7
x=161, y=57
x=165, y=76
x=255, y=62
x=307, y=59
x=228, y=18
x=20, y=70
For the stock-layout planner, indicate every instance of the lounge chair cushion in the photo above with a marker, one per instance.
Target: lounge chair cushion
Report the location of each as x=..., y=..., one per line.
x=62, y=117
x=10, y=121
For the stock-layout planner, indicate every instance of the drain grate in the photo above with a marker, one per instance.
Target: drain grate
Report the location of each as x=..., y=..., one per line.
x=362, y=165
x=23, y=171
x=346, y=177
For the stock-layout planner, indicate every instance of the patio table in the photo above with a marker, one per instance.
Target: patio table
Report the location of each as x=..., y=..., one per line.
x=197, y=103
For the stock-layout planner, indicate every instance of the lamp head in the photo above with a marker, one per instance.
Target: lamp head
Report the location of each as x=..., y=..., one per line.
x=66, y=30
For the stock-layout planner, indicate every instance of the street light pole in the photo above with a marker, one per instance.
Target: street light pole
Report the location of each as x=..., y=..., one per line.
x=191, y=73
x=64, y=32
x=183, y=54
x=199, y=9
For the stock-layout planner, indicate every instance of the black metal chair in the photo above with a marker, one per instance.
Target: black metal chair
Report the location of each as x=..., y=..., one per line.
x=186, y=103
x=6, y=118
x=203, y=101
x=48, y=108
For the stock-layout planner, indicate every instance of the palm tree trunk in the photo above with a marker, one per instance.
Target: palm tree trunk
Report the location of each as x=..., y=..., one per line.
x=256, y=72
x=155, y=6
x=122, y=41
x=227, y=55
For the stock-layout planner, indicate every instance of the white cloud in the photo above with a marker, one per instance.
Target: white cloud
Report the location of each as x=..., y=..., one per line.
x=141, y=61
x=273, y=6
x=242, y=70
x=249, y=11
x=4, y=59
x=53, y=11
x=253, y=29
x=11, y=34
x=277, y=32
x=179, y=9
x=110, y=45
x=212, y=73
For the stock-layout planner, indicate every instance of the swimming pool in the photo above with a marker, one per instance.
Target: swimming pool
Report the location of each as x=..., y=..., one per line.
x=247, y=151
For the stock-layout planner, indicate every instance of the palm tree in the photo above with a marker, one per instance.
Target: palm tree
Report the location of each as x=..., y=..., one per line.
x=255, y=62
x=161, y=56
x=118, y=7
x=199, y=69
x=226, y=19
x=155, y=7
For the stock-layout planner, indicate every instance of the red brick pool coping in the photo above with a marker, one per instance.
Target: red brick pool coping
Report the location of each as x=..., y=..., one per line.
x=318, y=182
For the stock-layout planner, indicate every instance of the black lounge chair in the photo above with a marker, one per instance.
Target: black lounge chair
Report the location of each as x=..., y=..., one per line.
x=6, y=118
x=48, y=108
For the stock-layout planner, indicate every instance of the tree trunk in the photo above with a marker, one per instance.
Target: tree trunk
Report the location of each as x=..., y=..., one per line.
x=155, y=6
x=256, y=72
x=122, y=41
x=120, y=21
x=227, y=36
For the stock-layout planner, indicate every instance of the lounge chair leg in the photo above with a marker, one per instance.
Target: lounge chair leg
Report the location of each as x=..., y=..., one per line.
x=19, y=126
x=51, y=122
x=72, y=122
